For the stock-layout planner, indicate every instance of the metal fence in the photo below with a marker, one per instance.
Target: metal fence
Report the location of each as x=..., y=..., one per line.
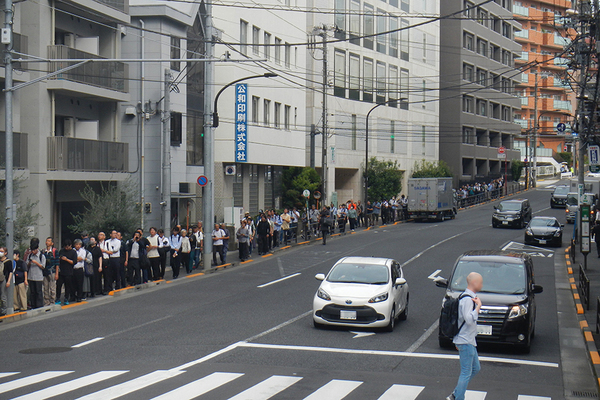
x=72, y=154
x=584, y=288
x=19, y=150
x=488, y=195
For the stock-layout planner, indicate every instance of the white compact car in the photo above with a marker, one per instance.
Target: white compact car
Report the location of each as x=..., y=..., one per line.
x=362, y=292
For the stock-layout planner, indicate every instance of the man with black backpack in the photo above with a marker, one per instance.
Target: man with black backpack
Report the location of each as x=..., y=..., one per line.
x=468, y=305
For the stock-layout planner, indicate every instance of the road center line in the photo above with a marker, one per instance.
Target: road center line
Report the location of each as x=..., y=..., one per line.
x=278, y=280
x=543, y=209
x=433, y=246
x=396, y=354
x=413, y=347
x=278, y=327
x=75, y=346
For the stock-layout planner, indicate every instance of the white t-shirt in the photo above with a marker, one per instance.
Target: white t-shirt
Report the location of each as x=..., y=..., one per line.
x=80, y=253
x=218, y=234
x=153, y=240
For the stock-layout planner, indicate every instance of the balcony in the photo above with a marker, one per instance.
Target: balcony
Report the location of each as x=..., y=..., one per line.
x=84, y=155
x=561, y=41
x=19, y=150
x=524, y=101
x=106, y=76
x=524, y=34
x=562, y=62
x=120, y=5
x=562, y=105
x=522, y=122
x=520, y=10
x=524, y=56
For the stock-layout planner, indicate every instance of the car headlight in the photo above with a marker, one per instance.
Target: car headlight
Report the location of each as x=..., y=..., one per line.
x=379, y=298
x=557, y=233
x=323, y=294
x=518, y=311
x=529, y=232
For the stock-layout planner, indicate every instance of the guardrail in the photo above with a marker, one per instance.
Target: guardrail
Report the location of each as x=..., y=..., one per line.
x=487, y=196
x=584, y=288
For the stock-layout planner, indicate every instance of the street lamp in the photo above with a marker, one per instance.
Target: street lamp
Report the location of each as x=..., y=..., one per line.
x=208, y=203
x=367, y=149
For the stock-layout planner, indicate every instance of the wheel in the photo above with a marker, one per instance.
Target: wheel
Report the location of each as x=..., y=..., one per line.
x=392, y=324
x=552, y=205
x=318, y=325
x=404, y=315
x=445, y=343
x=494, y=225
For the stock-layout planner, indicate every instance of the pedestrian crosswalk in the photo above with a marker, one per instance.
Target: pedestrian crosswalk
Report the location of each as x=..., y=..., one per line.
x=28, y=387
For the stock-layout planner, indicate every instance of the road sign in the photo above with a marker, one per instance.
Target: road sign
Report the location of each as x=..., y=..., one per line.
x=202, y=180
x=594, y=169
x=502, y=152
x=561, y=127
x=317, y=195
x=306, y=193
x=594, y=154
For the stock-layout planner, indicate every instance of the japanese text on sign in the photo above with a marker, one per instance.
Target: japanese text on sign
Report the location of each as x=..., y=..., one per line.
x=241, y=112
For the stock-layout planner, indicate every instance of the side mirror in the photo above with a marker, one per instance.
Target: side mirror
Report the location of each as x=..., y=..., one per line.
x=320, y=277
x=495, y=207
x=537, y=289
x=562, y=225
x=441, y=282
x=400, y=281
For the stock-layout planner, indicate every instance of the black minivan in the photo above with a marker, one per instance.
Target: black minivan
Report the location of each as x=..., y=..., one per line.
x=512, y=213
x=508, y=296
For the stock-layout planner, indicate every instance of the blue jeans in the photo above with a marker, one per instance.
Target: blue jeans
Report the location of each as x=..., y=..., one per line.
x=469, y=367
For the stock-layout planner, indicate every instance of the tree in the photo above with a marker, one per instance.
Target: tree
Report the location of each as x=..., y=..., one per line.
x=115, y=206
x=516, y=168
x=564, y=157
x=385, y=179
x=25, y=219
x=431, y=169
x=294, y=181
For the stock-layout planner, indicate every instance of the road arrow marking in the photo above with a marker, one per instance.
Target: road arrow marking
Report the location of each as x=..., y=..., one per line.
x=361, y=334
x=434, y=275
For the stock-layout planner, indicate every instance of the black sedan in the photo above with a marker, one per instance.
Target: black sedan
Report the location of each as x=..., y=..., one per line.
x=543, y=231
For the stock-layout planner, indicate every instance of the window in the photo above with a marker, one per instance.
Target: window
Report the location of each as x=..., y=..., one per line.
x=175, y=53
x=481, y=76
x=482, y=47
x=267, y=43
x=393, y=89
x=339, y=65
x=482, y=17
x=277, y=116
x=367, y=79
x=286, y=117
x=467, y=104
x=393, y=3
x=424, y=91
x=467, y=135
x=468, y=41
x=368, y=26
x=381, y=82
x=393, y=37
x=506, y=114
x=405, y=5
x=506, y=29
x=506, y=57
x=277, y=50
x=288, y=54
x=353, y=130
x=469, y=8
x=176, y=128
x=381, y=39
x=404, y=40
x=423, y=138
x=354, y=22
x=495, y=23
x=243, y=36
x=255, y=39
x=340, y=19
x=404, y=89
x=354, y=77
x=255, y=106
x=495, y=52
x=481, y=108
x=468, y=74
x=392, y=137
x=506, y=85
x=267, y=112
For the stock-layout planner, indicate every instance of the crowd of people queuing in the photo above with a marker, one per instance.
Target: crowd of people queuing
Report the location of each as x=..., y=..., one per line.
x=488, y=190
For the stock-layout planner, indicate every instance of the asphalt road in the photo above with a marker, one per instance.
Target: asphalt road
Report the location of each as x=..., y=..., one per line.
x=227, y=334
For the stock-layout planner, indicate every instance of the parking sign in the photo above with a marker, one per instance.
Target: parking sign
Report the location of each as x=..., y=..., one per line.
x=594, y=155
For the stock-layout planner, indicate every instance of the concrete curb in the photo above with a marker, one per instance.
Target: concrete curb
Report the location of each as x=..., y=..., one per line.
x=30, y=313
x=592, y=350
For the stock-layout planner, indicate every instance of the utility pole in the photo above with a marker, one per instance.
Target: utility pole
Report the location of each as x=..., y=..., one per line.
x=208, y=198
x=324, y=118
x=535, y=129
x=313, y=133
x=166, y=120
x=8, y=98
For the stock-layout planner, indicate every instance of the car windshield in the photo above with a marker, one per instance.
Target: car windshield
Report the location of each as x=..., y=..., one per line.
x=572, y=199
x=509, y=206
x=544, y=222
x=359, y=273
x=498, y=277
x=561, y=190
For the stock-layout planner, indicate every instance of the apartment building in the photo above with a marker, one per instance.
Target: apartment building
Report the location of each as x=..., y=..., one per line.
x=367, y=67
x=477, y=98
x=69, y=125
x=543, y=38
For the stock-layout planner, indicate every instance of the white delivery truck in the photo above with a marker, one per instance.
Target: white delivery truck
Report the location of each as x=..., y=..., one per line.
x=431, y=198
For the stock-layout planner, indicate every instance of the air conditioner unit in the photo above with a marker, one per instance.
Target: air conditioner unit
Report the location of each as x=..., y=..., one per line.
x=69, y=127
x=230, y=170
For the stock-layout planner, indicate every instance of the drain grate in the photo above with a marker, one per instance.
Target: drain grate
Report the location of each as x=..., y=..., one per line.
x=585, y=395
x=46, y=350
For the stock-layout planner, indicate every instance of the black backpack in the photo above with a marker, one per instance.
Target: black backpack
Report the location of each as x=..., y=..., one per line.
x=449, y=317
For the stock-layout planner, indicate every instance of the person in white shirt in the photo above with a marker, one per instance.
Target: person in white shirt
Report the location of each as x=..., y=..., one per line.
x=217, y=235
x=164, y=245
x=199, y=243
x=176, y=251
x=153, y=256
x=186, y=249
x=78, y=273
x=103, y=269
x=113, y=249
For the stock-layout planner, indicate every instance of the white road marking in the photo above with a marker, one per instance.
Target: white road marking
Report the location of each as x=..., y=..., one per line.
x=122, y=389
x=267, y=388
x=475, y=395
x=543, y=209
x=5, y=374
x=207, y=357
x=402, y=392
x=523, y=397
x=515, y=361
x=434, y=274
x=413, y=347
x=199, y=387
x=278, y=327
x=334, y=390
x=31, y=380
x=69, y=386
x=433, y=246
x=361, y=334
x=278, y=280
x=75, y=346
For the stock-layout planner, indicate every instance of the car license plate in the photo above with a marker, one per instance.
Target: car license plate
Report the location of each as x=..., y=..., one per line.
x=348, y=315
x=541, y=241
x=484, y=330
x=504, y=222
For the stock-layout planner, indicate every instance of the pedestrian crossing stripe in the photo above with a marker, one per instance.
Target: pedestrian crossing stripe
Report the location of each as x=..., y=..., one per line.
x=333, y=390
